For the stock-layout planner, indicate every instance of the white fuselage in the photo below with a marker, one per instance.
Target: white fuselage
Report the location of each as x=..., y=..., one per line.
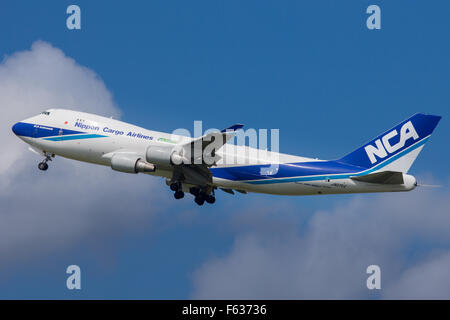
x=104, y=136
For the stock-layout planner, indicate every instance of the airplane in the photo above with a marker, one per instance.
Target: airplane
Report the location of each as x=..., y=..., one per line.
x=381, y=165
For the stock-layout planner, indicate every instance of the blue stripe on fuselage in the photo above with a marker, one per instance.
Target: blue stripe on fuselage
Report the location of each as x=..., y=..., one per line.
x=303, y=171
x=40, y=131
x=51, y=133
x=75, y=137
x=283, y=170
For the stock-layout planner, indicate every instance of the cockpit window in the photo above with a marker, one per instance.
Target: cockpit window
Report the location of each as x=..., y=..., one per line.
x=46, y=113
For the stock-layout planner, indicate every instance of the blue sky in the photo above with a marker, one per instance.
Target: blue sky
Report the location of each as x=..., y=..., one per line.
x=310, y=68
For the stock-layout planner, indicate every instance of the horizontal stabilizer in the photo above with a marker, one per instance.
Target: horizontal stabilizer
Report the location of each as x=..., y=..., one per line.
x=384, y=177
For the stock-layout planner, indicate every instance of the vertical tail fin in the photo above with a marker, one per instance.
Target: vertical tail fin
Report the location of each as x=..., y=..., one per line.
x=397, y=148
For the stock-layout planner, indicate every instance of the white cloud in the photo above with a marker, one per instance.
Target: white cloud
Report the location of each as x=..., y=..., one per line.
x=72, y=202
x=41, y=78
x=426, y=280
x=327, y=256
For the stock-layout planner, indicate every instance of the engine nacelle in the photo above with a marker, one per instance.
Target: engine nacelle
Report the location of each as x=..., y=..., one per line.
x=130, y=163
x=164, y=155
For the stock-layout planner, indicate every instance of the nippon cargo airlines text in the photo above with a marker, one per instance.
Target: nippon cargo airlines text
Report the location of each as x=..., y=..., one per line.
x=112, y=131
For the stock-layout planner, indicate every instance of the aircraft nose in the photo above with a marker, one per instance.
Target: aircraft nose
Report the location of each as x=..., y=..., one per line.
x=16, y=128
x=22, y=129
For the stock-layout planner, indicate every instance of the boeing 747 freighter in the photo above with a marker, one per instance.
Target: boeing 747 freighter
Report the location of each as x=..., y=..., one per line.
x=200, y=166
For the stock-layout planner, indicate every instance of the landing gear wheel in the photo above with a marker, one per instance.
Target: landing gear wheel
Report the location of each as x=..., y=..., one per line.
x=174, y=186
x=195, y=191
x=210, y=199
x=43, y=166
x=179, y=194
x=200, y=199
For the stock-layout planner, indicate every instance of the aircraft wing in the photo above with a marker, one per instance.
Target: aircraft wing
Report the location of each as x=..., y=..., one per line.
x=384, y=177
x=195, y=157
x=202, y=150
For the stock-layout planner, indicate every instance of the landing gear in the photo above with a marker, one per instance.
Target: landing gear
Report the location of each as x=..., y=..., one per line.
x=43, y=165
x=202, y=196
x=175, y=186
x=200, y=199
x=178, y=194
x=194, y=191
x=198, y=194
x=210, y=199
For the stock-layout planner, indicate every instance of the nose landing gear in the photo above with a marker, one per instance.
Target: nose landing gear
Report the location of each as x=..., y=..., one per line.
x=43, y=165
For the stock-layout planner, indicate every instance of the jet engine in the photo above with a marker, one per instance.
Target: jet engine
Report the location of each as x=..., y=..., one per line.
x=165, y=156
x=130, y=163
